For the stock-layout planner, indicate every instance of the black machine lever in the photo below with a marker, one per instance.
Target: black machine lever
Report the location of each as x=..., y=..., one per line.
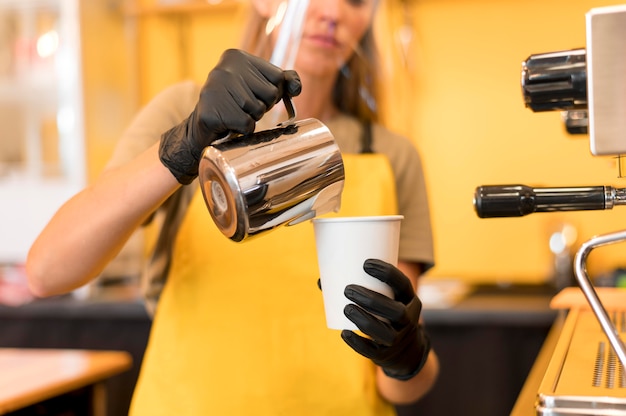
x=519, y=200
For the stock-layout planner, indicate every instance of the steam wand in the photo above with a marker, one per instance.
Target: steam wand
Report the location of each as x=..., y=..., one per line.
x=592, y=297
x=520, y=200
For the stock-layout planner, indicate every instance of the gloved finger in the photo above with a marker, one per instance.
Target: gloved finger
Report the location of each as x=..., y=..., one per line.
x=414, y=310
x=249, y=92
x=363, y=346
x=255, y=100
x=268, y=70
x=400, y=284
x=263, y=72
x=256, y=94
x=379, y=331
x=294, y=85
x=376, y=303
x=229, y=117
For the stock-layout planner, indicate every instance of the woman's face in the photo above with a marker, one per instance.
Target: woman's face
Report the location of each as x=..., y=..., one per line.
x=331, y=33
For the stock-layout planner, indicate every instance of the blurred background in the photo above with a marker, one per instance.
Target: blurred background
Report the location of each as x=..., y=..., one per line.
x=72, y=74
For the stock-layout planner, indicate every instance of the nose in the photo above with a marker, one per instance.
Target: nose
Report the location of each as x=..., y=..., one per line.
x=327, y=10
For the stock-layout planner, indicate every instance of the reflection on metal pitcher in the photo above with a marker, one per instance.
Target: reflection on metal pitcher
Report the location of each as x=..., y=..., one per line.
x=286, y=175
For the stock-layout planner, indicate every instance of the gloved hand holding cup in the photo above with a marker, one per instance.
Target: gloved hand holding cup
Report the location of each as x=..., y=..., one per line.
x=359, y=279
x=343, y=244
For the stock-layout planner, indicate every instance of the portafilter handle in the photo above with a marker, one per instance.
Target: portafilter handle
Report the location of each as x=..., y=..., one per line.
x=519, y=200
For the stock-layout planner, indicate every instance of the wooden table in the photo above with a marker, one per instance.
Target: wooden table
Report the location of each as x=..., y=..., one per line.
x=30, y=376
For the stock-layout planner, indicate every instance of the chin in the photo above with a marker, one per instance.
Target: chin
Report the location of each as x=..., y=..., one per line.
x=318, y=64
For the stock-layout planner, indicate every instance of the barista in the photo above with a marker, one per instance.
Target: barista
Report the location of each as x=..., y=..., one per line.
x=239, y=329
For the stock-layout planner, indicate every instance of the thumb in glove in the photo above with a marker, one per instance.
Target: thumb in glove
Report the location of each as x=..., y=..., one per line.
x=236, y=94
x=397, y=342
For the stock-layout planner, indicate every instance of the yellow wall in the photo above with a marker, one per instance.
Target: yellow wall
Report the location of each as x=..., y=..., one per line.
x=460, y=101
x=467, y=116
x=182, y=45
x=108, y=79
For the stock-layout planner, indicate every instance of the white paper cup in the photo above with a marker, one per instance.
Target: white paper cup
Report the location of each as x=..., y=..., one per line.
x=343, y=244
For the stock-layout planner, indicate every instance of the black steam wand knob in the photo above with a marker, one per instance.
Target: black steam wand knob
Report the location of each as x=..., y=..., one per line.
x=518, y=200
x=555, y=81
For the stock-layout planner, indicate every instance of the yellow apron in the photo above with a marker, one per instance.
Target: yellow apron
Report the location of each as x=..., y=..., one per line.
x=240, y=327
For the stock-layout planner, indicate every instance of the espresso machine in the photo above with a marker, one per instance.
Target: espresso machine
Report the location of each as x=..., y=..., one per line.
x=585, y=375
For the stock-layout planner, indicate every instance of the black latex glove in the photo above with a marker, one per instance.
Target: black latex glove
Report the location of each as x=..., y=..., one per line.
x=238, y=91
x=399, y=346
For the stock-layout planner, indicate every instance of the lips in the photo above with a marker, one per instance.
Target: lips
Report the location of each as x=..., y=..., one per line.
x=323, y=40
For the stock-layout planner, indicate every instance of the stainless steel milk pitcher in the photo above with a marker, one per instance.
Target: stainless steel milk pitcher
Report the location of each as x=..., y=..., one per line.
x=283, y=176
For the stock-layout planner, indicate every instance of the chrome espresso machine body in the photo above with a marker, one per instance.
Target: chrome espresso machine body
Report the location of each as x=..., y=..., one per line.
x=586, y=373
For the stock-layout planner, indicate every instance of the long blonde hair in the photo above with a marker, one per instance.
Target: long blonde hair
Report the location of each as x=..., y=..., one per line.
x=356, y=90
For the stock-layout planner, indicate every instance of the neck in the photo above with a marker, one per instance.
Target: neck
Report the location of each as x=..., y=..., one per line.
x=315, y=101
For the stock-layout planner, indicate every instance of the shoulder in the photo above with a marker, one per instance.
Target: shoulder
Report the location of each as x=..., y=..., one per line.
x=402, y=153
x=169, y=107
x=184, y=92
x=173, y=104
x=165, y=110
x=385, y=140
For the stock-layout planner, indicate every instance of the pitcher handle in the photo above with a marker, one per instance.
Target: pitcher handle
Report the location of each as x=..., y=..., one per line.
x=291, y=112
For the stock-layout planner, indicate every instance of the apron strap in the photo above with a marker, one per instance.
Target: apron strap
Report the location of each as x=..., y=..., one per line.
x=366, y=138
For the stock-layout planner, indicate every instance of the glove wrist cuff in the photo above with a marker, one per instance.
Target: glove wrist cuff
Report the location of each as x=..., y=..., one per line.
x=426, y=347
x=176, y=156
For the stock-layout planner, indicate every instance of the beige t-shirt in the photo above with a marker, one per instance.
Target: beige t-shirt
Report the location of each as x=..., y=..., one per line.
x=175, y=103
